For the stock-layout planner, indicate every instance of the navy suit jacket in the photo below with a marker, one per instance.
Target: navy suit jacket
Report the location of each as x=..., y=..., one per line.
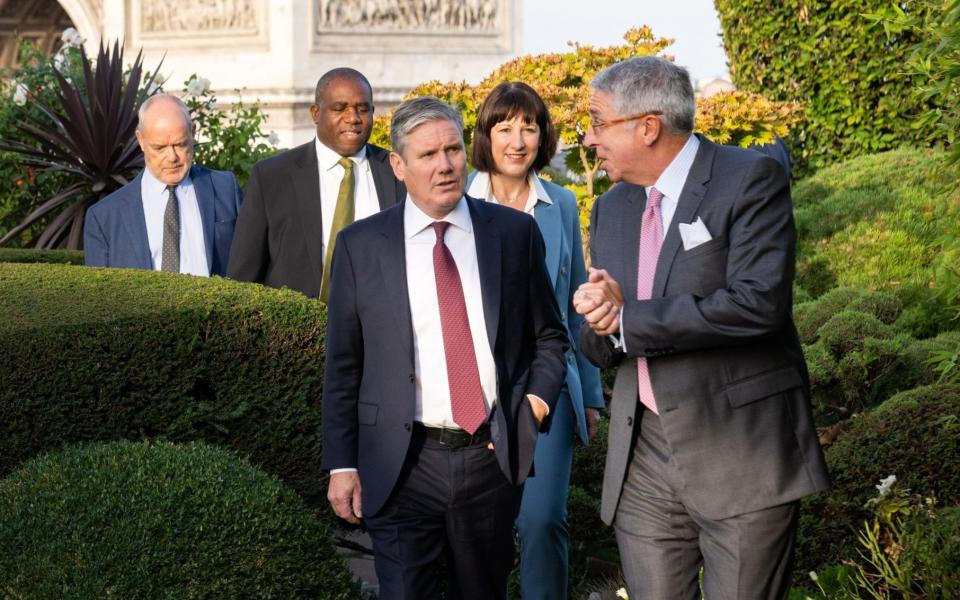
x=115, y=229
x=369, y=391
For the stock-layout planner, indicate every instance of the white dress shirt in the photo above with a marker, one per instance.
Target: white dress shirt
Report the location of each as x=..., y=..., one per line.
x=433, y=392
x=670, y=184
x=365, y=201
x=193, y=251
x=481, y=188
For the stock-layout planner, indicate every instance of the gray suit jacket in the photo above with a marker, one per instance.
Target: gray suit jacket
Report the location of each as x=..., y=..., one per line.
x=725, y=362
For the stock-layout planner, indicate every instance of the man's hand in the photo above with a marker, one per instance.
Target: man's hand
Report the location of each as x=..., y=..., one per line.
x=593, y=421
x=343, y=492
x=600, y=300
x=538, y=407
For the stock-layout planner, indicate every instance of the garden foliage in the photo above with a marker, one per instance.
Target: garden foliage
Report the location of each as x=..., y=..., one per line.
x=843, y=63
x=105, y=354
x=141, y=520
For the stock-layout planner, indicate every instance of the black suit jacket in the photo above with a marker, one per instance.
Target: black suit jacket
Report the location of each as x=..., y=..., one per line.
x=279, y=235
x=725, y=363
x=369, y=392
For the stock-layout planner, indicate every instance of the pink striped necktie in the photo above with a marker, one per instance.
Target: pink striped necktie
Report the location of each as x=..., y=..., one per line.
x=463, y=375
x=651, y=239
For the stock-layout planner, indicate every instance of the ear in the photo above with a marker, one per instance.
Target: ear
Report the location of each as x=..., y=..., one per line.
x=140, y=140
x=315, y=113
x=396, y=161
x=651, y=129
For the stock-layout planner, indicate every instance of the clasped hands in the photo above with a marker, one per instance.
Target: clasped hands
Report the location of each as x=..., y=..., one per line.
x=600, y=301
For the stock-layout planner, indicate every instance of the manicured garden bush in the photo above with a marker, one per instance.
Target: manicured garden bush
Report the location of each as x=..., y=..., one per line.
x=887, y=222
x=140, y=520
x=914, y=435
x=848, y=70
x=105, y=354
x=35, y=255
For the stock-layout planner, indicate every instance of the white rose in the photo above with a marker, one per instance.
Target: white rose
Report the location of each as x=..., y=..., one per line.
x=197, y=86
x=885, y=484
x=71, y=37
x=60, y=61
x=273, y=138
x=20, y=94
x=622, y=593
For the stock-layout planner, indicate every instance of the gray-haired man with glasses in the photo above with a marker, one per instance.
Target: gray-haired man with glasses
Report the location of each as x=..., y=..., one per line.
x=712, y=441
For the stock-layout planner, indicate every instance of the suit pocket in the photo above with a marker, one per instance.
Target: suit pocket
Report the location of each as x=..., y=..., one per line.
x=757, y=387
x=367, y=413
x=714, y=245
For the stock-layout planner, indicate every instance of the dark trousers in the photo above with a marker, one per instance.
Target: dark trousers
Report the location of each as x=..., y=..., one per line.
x=452, y=503
x=664, y=541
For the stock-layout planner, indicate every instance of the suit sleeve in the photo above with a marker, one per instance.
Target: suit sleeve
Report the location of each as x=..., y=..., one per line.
x=249, y=252
x=548, y=368
x=343, y=369
x=589, y=374
x=599, y=350
x=756, y=300
x=95, y=248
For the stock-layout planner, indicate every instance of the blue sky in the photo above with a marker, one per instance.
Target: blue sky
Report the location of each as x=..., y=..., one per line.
x=693, y=24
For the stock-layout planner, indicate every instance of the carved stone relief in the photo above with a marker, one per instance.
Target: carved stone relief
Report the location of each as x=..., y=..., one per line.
x=408, y=15
x=199, y=16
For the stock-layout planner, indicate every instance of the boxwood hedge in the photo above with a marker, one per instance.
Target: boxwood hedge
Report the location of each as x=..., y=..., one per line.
x=107, y=354
x=36, y=255
x=139, y=520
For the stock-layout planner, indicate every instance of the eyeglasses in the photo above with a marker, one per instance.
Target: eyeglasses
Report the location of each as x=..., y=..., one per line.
x=598, y=125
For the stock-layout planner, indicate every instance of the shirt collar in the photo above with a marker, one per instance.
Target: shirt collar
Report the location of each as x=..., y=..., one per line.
x=154, y=188
x=415, y=220
x=328, y=159
x=671, y=181
x=481, y=188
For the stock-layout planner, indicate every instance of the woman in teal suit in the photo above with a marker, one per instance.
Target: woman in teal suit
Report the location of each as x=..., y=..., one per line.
x=514, y=138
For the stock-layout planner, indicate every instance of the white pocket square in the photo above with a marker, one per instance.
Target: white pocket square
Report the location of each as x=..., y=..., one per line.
x=694, y=234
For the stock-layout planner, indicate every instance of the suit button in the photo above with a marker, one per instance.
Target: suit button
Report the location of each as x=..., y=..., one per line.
x=570, y=359
x=563, y=317
x=406, y=426
x=563, y=270
x=629, y=421
x=413, y=378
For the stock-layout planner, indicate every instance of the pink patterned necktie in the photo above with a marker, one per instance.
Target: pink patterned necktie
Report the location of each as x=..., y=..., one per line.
x=651, y=239
x=463, y=376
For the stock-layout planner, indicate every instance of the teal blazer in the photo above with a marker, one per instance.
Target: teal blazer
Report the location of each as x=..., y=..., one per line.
x=560, y=226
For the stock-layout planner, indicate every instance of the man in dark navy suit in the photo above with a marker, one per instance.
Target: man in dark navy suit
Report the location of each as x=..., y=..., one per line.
x=445, y=356
x=174, y=216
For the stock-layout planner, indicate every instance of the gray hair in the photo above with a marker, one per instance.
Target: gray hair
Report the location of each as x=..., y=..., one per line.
x=156, y=98
x=647, y=84
x=337, y=74
x=417, y=111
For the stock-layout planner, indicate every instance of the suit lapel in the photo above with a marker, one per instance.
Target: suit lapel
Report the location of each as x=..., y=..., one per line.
x=135, y=223
x=687, y=206
x=635, y=203
x=383, y=179
x=206, y=200
x=487, y=239
x=550, y=222
x=393, y=270
x=306, y=187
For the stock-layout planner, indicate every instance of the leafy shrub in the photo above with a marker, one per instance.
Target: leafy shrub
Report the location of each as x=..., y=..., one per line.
x=34, y=255
x=918, y=356
x=810, y=316
x=135, y=520
x=105, y=354
x=848, y=330
x=914, y=435
x=847, y=70
x=888, y=222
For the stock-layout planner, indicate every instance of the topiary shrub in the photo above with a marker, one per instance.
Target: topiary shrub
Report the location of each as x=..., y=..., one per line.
x=888, y=222
x=36, y=255
x=847, y=330
x=137, y=520
x=846, y=68
x=914, y=435
x=810, y=316
x=107, y=354
x=916, y=356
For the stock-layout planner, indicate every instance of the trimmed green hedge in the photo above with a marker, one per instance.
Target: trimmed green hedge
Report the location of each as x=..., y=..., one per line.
x=914, y=435
x=888, y=222
x=34, y=255
x=841, y=65
x=136, y=520
x=106, y=354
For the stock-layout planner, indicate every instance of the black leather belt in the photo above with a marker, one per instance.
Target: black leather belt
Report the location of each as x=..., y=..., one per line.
x=454, y=438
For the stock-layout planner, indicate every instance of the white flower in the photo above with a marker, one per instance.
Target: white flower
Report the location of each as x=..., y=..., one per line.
x=813, y=575
x=885, y=484
x=71, y=38
x=197, y=86
x=213, y=105
x=273, y=138
x=622, y=593
x=20, y=94
x=60, y=60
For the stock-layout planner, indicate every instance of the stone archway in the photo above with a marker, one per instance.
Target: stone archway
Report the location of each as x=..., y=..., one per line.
x=42, y=22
